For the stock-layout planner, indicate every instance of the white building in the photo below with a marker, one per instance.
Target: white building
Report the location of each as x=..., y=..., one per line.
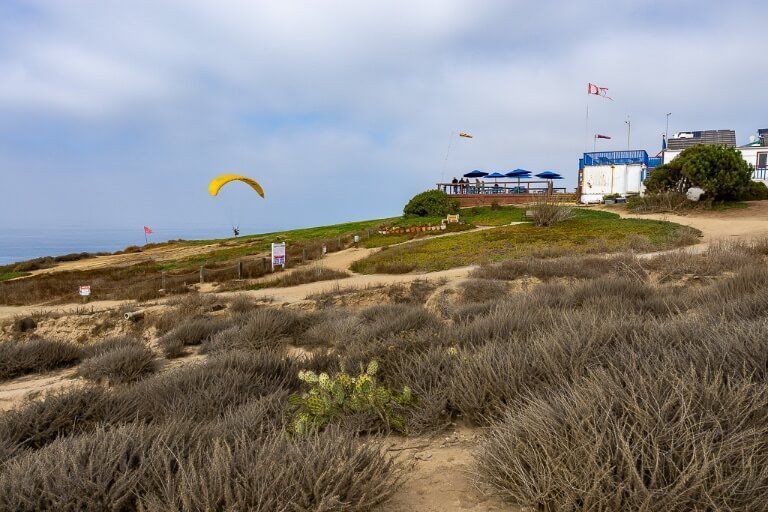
x=613, y=172
x=755, y=153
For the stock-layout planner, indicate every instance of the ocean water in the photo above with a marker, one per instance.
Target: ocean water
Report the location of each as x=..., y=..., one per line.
x=23, y=244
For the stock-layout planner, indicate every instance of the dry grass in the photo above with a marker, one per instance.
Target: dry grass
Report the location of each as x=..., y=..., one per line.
x=22, y=357
x=607, y=390
x=545, y=214
x=191, y=332
x=127, y=363
x=311, y=274
x=640, y=440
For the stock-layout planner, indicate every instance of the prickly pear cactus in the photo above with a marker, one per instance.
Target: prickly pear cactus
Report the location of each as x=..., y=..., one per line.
x=330, y=397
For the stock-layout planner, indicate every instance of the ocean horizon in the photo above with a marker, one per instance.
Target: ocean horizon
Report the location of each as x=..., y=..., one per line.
x=17, y=244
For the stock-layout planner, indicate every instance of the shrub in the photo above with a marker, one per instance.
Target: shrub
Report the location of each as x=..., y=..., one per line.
x=331, y=398
x=39, y=422
x=22, y=357
x=123, y=364
x=336, y=329
x=482, y=290
x=432, y=203
x=547, y=214
x=391, y=267
x=263, y=328
x=660, y=202
x=240, y=303
x=579, y=267
x=634, y=440
x=101, y=347
x=95, y=472
x=719, y=170
x=330, y=470
x=755, y=191
x=191, y=332
x=387, y=319
x=311, y=274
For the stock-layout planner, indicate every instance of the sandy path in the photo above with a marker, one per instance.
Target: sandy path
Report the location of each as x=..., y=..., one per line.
x=751, y=222
x=440, y=478
x=15, y=391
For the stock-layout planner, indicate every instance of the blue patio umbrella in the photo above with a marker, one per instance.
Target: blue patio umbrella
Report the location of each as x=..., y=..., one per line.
x=549, y=175
x=496, y=176
x=476, y=174
x=519, y=173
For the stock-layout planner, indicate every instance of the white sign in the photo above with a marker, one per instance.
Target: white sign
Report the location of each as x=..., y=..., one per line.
x=325, y=250
x=278, y=255
x=357, y=238
x=85, y=290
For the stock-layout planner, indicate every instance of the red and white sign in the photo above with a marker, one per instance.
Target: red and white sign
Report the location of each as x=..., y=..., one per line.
x=278, y=255
x=85, y=290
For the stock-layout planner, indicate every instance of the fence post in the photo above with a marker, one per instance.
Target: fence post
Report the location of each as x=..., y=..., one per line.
x=202, y=280
x=304, y=255
x=240, y=269
x=162, y=279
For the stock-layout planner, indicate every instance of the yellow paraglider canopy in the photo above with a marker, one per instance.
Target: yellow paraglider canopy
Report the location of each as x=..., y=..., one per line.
x=219, y=181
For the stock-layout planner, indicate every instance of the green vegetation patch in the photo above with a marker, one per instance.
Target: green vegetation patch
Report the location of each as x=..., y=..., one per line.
x=587, y=232
x=5, y=276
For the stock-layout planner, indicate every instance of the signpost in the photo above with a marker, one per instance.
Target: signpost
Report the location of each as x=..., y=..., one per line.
x=85, y=292
x=278, y=255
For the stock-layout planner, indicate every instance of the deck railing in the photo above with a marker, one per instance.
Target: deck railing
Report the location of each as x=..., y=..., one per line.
x=501, y=187
x=761, y=173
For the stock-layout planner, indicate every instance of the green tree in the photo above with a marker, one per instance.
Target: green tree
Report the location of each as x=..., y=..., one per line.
x=719, y=170
x=432, y=203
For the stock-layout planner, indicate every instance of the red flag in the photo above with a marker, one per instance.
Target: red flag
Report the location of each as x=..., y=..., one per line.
x=147, y=230
x=598, y=136
x=596, y=90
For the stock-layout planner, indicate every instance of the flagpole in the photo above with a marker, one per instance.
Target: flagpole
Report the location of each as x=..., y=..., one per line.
x=586, y=128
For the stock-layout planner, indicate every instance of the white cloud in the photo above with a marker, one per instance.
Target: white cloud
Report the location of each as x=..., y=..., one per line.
x=356, y=93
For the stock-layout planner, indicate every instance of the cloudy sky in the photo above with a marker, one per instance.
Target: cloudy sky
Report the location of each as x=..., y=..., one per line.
x=115, y=113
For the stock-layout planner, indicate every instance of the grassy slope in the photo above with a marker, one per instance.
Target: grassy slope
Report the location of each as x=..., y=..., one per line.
x=470, y=217
x=234, y=248
x=588, y=231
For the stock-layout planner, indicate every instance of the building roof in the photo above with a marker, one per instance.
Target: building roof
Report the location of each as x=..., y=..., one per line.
x=684, y=140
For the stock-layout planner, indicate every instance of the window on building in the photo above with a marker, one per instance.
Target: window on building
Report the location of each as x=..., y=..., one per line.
x=762, y=160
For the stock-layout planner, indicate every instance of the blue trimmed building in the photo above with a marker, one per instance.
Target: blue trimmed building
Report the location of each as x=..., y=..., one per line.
x=613, y=172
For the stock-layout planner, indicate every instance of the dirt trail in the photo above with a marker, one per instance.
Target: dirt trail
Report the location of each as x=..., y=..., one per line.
x=440, y=476
x=17, y=390
x=751, y=222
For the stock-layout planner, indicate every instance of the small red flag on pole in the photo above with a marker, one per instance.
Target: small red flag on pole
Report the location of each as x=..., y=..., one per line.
x=147, y=231
x=596, y=90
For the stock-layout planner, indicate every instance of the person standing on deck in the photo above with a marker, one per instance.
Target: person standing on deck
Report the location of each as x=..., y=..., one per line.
x=455, y=185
